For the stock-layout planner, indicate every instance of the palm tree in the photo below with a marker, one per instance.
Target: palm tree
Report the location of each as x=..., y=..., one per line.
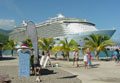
x=97, y=43
x=10, y=45
x=29, y=43
x=66, y=46
x=55, y=50
x=46, y=44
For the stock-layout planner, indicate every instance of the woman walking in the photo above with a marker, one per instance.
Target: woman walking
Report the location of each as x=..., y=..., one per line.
x=86, y=60
x=75, y=60
x=116, y=55
x=89, y=57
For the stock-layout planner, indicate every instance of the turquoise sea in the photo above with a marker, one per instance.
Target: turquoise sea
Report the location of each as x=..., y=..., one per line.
x=102, y=54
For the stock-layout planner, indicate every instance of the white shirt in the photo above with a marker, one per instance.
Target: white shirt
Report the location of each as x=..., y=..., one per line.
x=86, y=57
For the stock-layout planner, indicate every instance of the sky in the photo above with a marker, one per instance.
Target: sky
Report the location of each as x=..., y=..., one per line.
x=104, y=13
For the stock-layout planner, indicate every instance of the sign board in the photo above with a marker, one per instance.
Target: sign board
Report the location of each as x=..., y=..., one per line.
x=32, y=33
x=24, y=64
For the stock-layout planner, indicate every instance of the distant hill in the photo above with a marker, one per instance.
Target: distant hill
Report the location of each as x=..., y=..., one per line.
x=3, y=39
x=4, y=36
x=4, y=32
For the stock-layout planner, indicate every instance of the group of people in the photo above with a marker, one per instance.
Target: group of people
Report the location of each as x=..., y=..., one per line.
x=87, y=58
x=37, y=63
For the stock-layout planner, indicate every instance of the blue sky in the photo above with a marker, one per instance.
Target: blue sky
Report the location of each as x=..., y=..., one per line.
x=104, y=13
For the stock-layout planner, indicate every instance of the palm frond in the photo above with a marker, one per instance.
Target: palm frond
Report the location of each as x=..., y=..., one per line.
x=98, y=42
x=73, y=43
x=90, y=43
x=46, y=43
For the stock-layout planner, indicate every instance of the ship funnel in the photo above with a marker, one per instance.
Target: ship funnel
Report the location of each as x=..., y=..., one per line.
x=60, y=16
x=24, y=23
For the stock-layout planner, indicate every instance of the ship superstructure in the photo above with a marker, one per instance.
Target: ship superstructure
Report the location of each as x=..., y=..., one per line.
x=60, y=27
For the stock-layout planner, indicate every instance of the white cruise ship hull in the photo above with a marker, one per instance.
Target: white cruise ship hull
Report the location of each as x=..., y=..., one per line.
x=80, y=36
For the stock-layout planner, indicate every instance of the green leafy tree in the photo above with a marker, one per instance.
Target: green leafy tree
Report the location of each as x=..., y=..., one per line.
x=9, y=46
x=3, y=39
x=66, y=46
x=97, y=43
x=56, y=49
x=46, y=44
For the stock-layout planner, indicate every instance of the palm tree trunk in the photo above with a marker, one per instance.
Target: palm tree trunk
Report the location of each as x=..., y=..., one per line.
x=68, y=59
x=12, y=52
x=97, y=55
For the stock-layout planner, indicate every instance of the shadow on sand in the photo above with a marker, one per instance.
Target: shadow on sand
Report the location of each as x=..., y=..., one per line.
x=47, y=72
x=7, y=58
x=109, y=59
x=95, y=65
x=73, y=76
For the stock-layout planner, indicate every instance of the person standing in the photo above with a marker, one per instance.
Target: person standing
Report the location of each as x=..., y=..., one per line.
x=32, y=62
x=62, y=53
x=48, y=55
x=37, y=66
x=42, y=58
x=75, y=60
x=89, y=57
x=116, y=55
x=86, y=60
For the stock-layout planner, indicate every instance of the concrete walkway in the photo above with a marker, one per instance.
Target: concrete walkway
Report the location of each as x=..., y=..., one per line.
x=102, y=71
x=9, y=66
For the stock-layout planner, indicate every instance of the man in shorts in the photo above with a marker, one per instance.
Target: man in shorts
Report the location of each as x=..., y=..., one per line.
x=37, y=66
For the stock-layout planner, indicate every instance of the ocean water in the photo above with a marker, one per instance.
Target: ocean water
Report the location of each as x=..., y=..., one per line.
x=102, y=54
x=8, y=52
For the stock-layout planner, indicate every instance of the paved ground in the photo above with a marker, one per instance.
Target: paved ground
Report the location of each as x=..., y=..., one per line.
x=102, y=71
x=9, y=66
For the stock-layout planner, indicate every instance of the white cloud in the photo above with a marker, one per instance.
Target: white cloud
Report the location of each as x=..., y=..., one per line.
x=7, y=24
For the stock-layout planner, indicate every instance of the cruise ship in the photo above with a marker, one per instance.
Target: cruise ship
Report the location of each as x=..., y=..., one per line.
x=61, y=27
